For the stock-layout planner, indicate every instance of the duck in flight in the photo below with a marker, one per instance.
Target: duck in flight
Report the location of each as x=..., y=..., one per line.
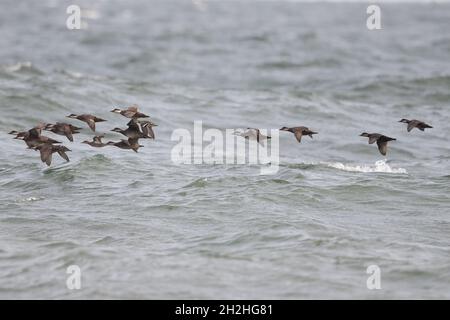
x=380, y=139
x=96, y=142
x=63, y=129
x=415, y=124
x=137, y=130
x=33, y=137
x=131, y=112
x=299, y=132
x=47, y=149
x=88, y=118
x=130, y=144
x=254, y=133
x=147, y=130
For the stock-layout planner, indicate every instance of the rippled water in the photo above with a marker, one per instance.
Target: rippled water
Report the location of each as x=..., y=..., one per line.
x=140, y=226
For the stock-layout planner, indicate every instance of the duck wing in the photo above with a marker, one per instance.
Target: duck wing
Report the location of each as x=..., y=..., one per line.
x=68, y=133
x=411, y=125
x=34, y=133
x=63, y=155
x=134, y=144
x=148, y=131
x=46, y=154
x=382, y=146
x=298, y=135
x=91, y=123
x=133, y=125
x=133, y=108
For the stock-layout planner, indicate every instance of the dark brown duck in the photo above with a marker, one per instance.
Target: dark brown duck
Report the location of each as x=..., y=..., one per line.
x=47, y=151
x=33, y=137
x=299, y=132
x=63, y=129
x=96, y=142
x=136, y=131
x=147, y=130
x=415, y=124
x=88, y=118
x=130, y=144
x=380, y=139
x=131, y=112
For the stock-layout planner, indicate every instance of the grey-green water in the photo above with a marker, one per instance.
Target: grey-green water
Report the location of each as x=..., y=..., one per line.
x=140, y=226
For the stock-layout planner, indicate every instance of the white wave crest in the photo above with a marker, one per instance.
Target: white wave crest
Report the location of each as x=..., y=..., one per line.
x=18, y=66
x=379, y=166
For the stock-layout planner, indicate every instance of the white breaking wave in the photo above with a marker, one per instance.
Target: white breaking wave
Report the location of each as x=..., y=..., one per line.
x=379, y=166
x=18, y=66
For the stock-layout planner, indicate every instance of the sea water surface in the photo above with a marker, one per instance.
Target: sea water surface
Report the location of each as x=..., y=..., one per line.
x=140, y=226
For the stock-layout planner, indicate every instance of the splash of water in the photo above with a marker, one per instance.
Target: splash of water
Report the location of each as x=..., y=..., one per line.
x=379, y=166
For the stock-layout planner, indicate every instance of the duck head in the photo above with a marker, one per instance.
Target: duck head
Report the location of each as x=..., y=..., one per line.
x=364, y=134
x=72, y=116
x=284, y=129
x=117, y=130
x=115, y=110
x=404, y=121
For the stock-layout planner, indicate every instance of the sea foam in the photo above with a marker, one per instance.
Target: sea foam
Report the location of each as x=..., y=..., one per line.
x=379, y=166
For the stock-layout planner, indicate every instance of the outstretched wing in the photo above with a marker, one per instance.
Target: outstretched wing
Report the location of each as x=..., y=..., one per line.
x=63, y=155
x=148, y=131
x=68, y=133
x=411, y=125
x=133, y=125
x=91, y=124
x=133, y=108
x=298, y=135
x=46, y=154
x=382, y=146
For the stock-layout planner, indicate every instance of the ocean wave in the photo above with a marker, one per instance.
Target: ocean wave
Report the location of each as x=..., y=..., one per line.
x=380, y=166
x=24, y=66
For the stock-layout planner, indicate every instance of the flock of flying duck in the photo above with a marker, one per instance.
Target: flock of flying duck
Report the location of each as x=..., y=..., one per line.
x=137, y=129
x=142, y=129
x=380, y=139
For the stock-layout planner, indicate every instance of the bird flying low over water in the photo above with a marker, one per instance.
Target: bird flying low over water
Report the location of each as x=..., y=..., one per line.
x=137, y=130
x=88, y=118
x=254, y=133
x=33, y=137
x=47, y=149
x=415, y=124
x=131, y=112
x=63, y=129
x=299, y=132
x=380, y=139
x=147, y=130
x=130, y=144
x=35, y=131
x=96, y=142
